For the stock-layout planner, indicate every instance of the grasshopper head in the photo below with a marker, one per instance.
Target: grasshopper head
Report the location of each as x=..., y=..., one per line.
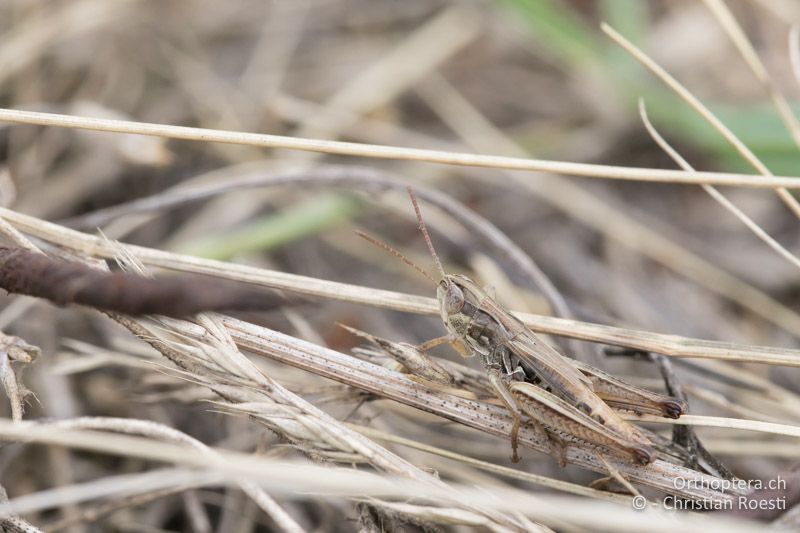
x=450, y=296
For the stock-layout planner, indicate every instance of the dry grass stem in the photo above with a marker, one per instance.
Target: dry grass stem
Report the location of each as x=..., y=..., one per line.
x=716, y=195
x=739, y=38
x=488, y=418
x=397, y=153
x=91, y=514
x=790, y=201
x=670, y=345
x=164, y=433
x=292, y=477
x=728, y=423
x=352, y=177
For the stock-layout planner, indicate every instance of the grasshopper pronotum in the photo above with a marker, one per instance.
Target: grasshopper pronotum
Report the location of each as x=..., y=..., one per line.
x=561, y=396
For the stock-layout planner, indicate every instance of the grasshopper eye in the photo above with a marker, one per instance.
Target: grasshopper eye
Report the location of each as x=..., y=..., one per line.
x=453, y=298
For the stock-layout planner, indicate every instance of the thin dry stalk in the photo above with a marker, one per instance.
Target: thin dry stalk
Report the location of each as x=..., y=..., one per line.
x=398, y=153
x=119, y=487
x=89, y=514
x=734, y=30
x=352, y=177
x=290, y=477
x=488, y=418
x=790, y=201
x=670, y=345
x=164, y=433
x=727, y=423
x=613, y=222
x=716, y=195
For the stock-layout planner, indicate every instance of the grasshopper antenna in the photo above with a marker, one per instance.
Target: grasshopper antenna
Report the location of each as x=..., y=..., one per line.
x=425, y=233
x=386, y=247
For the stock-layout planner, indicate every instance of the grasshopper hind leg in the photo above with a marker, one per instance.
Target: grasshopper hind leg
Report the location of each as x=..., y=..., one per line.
x=501, y=370
x=505, y=396
x=500, y=374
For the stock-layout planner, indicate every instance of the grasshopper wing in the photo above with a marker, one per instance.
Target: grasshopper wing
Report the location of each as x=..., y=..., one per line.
x=621, y=395
x=540, y=357
x=547, y=363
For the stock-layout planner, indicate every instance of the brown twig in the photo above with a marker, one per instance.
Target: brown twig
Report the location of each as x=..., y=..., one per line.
x=71, y=282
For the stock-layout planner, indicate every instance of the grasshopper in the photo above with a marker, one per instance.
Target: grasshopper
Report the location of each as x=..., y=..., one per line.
x=561, y=396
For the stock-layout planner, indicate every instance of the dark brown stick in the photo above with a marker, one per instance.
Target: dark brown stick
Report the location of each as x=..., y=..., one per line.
x=71, y=282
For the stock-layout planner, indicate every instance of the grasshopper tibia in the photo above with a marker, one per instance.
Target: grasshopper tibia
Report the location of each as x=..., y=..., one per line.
x=504, y=394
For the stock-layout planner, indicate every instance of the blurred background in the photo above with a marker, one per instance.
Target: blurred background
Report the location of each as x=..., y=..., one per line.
x=534, y=78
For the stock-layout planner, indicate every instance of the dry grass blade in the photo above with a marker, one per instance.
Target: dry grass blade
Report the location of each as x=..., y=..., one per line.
x=120, y=488
x=355, y=177
x=701, y=109
x=729, y=423
x=612, y=221
x=737, y=447
x=164, y=433
x=794, y=51
x=716, y=195
x=392, y=152
x=671, y=345
x=289, y=477
x=742, y=43
x=90, y=514
x=486, y=417
x=514, y=473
